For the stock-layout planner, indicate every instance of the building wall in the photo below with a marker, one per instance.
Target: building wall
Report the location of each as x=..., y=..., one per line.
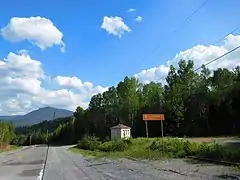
x=120, y=133
x=125, y=133
x=115, y=134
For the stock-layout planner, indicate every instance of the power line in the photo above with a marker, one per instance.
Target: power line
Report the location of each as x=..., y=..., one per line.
x=215, y=59
x=210, y=62
x=217, y=41
x=181, y=25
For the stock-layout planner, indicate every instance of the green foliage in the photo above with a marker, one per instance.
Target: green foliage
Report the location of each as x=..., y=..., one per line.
x=47, y=131
x=19, y=140
x=195, y=104
x=89, y=143
x=117, y=145
x=92, y=143
x=6, y=132
x=181, y=148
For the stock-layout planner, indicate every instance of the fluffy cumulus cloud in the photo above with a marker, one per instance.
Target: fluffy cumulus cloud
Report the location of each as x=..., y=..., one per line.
x=22, y=90
x=139, y=18
x=115, y=26
x=38, y=30
x=200, y=54
x=76, y=84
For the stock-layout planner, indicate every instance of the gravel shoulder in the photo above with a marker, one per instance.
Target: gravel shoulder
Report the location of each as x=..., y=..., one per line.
x=168, y=169
x=178, y=169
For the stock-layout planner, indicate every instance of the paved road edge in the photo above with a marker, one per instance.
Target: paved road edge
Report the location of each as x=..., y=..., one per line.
x=41, y=173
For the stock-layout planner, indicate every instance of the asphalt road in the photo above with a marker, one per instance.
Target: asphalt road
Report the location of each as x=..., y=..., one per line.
x=65, y=165
x=22, y=164
x=61, y=164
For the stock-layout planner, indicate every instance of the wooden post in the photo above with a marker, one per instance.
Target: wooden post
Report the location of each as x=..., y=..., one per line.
x=147, y=137
x=162, y=135
x=146, y=128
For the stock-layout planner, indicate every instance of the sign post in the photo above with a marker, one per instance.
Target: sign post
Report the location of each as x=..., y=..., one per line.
x=154, y=117
x=162, y=135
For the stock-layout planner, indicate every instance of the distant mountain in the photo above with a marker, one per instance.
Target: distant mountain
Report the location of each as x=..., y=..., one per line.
x=37, y=116
x=7, y=118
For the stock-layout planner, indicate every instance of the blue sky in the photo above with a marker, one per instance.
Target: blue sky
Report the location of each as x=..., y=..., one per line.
x=104, y=59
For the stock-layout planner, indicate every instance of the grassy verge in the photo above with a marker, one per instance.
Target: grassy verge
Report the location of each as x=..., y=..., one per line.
x=12, y=147
x=168, y=148
x=96, y=154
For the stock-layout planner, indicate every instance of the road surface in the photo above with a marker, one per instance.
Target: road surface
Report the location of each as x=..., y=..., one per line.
x=28, y=164
x=22, y=164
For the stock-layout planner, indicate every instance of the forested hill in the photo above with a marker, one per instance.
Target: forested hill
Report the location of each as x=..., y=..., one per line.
x=37, y=116
x=201, y=103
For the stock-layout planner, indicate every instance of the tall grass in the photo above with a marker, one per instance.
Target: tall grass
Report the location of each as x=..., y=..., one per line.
x=167, y=148
x=181, y=148
x=92, y=143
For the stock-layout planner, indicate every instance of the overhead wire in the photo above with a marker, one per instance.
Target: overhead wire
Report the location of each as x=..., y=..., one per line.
x=210, y=62
x=217, y=41
x=216, y=59
x=180, y=26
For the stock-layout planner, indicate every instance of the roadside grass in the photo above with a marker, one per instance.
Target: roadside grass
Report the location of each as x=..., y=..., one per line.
x=159, y=149
x=12, y=147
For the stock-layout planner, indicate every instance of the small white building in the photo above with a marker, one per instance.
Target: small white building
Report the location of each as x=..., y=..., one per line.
x=120, y=131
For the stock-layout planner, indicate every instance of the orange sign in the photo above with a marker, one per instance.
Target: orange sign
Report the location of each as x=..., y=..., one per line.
x=153, y=117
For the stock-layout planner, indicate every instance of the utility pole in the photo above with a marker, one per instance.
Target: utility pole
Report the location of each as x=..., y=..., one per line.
x=47, y=137
x=30, y=140
x=53, y=115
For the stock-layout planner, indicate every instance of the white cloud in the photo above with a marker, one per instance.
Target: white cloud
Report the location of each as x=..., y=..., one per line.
x=115, y=26
x=201, y=55
x=38, y=30
x=76, y=83
x=131, y=10
x=68, y=82
x=139, y=18
x=22, y=90
x=152, y=74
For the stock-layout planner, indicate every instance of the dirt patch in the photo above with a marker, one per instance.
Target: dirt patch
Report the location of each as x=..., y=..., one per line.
x=5, y=147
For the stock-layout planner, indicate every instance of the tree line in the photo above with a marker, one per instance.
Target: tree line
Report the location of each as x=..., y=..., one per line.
x=6, y=134
x=205, y=103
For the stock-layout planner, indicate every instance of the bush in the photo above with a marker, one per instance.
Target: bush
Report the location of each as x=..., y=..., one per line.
x=89, y=143
x=181, y=148
x=92, y=143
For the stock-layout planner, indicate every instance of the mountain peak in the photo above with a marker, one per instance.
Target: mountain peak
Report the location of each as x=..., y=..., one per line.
x=38, y=115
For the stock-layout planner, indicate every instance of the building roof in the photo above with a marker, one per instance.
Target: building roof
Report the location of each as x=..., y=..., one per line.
x=120, y=126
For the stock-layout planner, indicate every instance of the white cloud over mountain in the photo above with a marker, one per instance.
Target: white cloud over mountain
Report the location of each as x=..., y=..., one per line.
x=37, y=30
x=21, y=87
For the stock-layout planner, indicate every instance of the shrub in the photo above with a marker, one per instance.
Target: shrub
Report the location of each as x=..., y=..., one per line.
x=181, y=148
x=117, y=145
x=89, y=143
x=92, y=143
